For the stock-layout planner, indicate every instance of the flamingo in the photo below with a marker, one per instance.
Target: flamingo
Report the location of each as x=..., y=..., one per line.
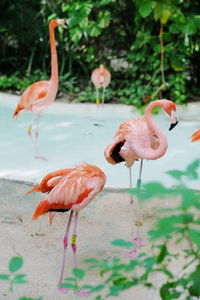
x=41, y=94
x=69, y=189
x=100, y=78
x=140, y=138
x=196, y=136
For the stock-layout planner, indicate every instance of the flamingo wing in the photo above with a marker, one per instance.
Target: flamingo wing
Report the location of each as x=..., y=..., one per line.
x=95, y=78
x=107, y=78
x=73, y=191
x=34, y=92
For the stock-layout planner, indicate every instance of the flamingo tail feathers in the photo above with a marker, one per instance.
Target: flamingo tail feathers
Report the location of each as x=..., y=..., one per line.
x=44, y=207
x=36, y=188
x=17, y=111
x=196, y=136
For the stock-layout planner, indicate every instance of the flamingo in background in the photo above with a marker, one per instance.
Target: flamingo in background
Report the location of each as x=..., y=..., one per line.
x=69, y=189
x=140, y=138
x=41, y=94
x=100, y=78
x=196, y=136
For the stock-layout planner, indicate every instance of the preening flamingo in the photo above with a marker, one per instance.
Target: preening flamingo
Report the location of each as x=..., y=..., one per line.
x=41, y=94
x=101, y=78
x=196, y=136
x=69, y=189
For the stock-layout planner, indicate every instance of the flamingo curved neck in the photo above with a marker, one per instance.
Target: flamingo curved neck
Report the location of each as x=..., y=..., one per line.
x=54, y=58
x=155, y=129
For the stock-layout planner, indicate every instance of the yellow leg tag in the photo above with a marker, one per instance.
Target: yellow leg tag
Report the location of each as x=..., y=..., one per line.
x=29, y=128
x=97, y=101
x=73, y=241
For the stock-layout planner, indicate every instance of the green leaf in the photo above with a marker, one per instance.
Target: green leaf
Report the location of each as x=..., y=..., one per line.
x=94, y=30
x=165, y=16
x=28, y=298
x=96, y=288
x=70, y=279
x=149, y=262
x=75, y=34
x=176, y=174
x=4, y=276
x=194, y=288
x=91, y=261
x=19, y=279
x=78, y=273
x=163, y=253
x=122, y=243
x=192, y=169
x=195, y=237
x=104, y=19
x=145, y=9
x=74, y=287
x=15, y=264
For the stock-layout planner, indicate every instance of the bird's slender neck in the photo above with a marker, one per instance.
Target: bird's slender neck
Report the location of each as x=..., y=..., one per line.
x=45, y=186
x=160, y=151
x=54, y=58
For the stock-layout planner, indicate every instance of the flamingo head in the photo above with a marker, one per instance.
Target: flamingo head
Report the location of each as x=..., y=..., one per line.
x=170, y=108
x=58, y=22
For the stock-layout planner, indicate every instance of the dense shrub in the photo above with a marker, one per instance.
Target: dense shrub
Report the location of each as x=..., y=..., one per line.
x=150, y=46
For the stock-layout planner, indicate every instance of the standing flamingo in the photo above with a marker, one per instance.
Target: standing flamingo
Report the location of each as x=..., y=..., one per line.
x=101, y=78
x=140, y=138
x=196, y=136
x=41, y=94
x=73, y=189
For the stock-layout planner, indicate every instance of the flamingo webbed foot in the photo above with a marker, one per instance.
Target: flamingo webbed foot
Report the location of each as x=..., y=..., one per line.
x=63, y=290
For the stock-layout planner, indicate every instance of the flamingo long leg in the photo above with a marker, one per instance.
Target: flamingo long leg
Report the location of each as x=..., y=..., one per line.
x=35, y=122
x=37, y=152
x=136, y=216
x=37, y=155
x=103, y=95
x=73, y=240
x=97, y=96
x=131, y=186
x=30, y=130
x=65, y=244
x=140, y=175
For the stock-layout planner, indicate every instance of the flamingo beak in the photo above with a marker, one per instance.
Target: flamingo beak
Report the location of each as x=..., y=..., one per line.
x=64, y=25
x=174, y=120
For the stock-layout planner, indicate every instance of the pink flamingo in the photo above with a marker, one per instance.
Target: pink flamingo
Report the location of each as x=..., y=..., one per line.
x=196, y=136
x=101, y=78
x=140, y=138
x=41, y=94
x=69, y=189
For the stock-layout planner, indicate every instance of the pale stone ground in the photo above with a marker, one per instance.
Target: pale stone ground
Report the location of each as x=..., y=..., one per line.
x=107, y=218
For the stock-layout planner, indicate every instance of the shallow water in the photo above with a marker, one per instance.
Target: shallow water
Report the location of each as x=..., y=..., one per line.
x=72, y=133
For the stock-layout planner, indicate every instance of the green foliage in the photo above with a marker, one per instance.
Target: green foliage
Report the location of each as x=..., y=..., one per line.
x=15, y=264
x=143, y=31
x=178, y=227
x=13, y=278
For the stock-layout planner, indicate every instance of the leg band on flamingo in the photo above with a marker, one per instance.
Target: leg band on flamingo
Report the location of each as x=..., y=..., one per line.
x=65, y=244
x=74, y=239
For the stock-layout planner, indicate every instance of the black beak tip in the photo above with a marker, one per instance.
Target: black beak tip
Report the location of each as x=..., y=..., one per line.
x=172, y=125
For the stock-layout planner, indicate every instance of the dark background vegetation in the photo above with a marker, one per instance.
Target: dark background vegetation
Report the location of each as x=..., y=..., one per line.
x=151, y=47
